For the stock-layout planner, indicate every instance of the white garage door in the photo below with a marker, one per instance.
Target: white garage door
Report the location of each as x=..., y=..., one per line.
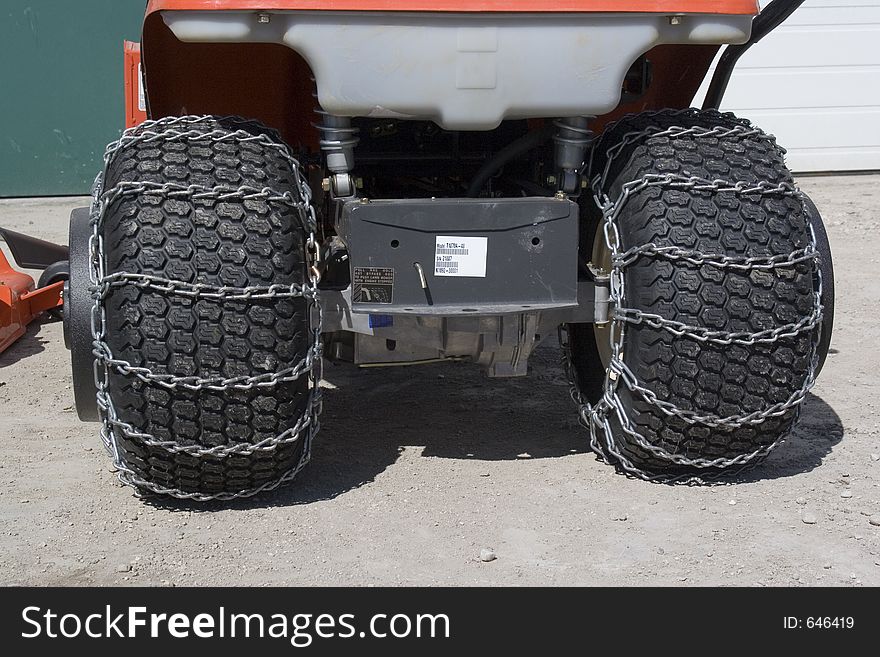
x=815, y=83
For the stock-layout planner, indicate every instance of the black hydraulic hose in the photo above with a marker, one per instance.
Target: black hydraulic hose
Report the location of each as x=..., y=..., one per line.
x=768, y=20
x=524, y=144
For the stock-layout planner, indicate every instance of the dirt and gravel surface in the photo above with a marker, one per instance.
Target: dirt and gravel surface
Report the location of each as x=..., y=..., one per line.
x=419, y=470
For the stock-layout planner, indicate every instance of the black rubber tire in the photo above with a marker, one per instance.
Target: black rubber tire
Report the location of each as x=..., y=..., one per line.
x=233, y=243
x=826, y=266
x=57, y=271
x=54, y=273
x=707, y=379
x=78, y=305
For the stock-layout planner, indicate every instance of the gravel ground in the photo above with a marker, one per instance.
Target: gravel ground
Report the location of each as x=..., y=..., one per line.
x=418, y=471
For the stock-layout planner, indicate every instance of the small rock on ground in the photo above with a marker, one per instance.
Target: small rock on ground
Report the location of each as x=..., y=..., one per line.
x=487, y=555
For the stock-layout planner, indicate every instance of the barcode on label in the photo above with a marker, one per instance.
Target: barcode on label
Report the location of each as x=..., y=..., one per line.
x=446, y=267
x=457, y=255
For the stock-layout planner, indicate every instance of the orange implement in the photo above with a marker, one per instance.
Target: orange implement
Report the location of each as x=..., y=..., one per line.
x=20, y=303
x=538, y=6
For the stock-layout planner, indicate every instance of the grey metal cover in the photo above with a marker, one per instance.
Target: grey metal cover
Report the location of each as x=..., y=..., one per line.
x=530, y=255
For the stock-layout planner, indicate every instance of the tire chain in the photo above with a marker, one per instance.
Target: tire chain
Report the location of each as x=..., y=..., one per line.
x=597, y=416
x=182, y=129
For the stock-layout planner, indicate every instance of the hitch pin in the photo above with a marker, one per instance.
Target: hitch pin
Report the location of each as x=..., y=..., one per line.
x=424, y=283
x=422, y=279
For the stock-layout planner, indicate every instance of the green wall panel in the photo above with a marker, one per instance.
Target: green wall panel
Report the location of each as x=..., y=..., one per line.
x=61, y=90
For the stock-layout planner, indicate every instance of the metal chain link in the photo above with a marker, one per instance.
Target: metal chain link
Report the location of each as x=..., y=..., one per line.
x=721, y=261
x=726, y=338
x=743, y=129
x=185, y=129
x=203, y=291
x=597, y=416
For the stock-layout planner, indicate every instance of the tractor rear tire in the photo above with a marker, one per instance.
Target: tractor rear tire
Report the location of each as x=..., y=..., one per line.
x=702, y=379
x=206, y=443
x=826, y=266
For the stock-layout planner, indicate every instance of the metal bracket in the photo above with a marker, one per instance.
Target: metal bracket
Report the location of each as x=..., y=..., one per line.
x=602, y=294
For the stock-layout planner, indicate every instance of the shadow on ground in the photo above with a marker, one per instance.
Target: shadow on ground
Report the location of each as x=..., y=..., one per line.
x=453, y=411
x=818, y=430
x=30, y=344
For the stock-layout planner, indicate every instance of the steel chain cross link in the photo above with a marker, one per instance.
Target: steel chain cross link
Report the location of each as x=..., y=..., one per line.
x=597, y=416
x=185, y=129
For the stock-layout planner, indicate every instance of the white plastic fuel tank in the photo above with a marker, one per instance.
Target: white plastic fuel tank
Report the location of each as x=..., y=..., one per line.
x=463, y=71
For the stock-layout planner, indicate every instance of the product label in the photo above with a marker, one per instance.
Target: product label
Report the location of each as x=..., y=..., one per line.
x=461, y=256
x=372, y=285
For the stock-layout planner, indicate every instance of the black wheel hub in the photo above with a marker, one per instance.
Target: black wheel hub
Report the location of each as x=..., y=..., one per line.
x=77, y=317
